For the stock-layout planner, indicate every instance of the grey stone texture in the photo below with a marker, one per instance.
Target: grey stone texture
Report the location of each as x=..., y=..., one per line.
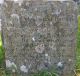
x=40, y=35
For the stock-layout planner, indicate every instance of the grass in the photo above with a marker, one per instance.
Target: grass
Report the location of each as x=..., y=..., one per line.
x=2, y=71
x=78, y=45
x=1, y=52
x=45, y=73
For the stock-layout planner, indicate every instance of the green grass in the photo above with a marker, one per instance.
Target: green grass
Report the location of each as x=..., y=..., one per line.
x=45, y=73
x=1, y=52
x=78, y=45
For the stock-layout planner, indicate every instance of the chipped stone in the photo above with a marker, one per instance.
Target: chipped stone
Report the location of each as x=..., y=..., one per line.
x=51, y=23
x=15, y=15
x=23, y=69
x=8, y=63
x=46, y=55
x=60, y=65
x=33, y=38
x=70, y=60
x=40, y=48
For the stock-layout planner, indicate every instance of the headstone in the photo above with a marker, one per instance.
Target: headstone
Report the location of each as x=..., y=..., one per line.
x=40, y=35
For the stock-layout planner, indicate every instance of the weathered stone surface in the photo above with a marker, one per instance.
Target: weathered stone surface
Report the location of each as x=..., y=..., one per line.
x=40, y=35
